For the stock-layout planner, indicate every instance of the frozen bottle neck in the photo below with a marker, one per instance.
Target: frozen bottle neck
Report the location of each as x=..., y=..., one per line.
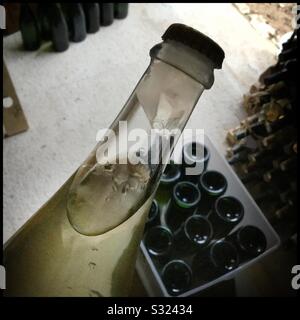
x=187, y=60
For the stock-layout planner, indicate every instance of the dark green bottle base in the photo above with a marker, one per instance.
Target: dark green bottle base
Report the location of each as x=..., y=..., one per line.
x=121, y=10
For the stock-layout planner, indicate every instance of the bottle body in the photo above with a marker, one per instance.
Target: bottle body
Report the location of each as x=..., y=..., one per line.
x=92, y=16
x=154, y=215
x=185, y=199
x=76, y=21
x=29, y=28
x=212, y=185
x=121, y=10
x=58, y=28
x=177, y=276
x=106, y=14
x=249, y=241
x=44, y=21
x=190, y=159
x=158, y=241
x=49, y=258
x=195, y=234
x=219, y=258
x=226, y=213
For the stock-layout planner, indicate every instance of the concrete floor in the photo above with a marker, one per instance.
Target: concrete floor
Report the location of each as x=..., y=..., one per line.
x=68, y=97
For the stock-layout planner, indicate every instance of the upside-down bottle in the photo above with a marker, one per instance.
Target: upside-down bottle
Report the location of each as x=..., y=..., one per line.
x=84, y=241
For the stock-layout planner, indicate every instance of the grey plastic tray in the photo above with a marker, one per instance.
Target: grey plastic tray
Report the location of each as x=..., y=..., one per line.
x=146, y=268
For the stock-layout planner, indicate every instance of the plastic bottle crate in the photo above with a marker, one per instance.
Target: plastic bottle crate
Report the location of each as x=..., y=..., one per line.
x=150, y=270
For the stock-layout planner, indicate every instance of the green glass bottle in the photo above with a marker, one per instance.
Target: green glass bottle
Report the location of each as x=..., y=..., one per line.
x=185, y=198
x=250, y=242
x=43, y=19
x=106, y=14
x=58, y=28
x=29, y=28
x=92, y=16
x=121, y=10
x=153, y=216
x=85, y=239
x=212, y=185
x=226, y=213
x=158, y=241
x=219, y=258
x=76, y=21
x=177, y=277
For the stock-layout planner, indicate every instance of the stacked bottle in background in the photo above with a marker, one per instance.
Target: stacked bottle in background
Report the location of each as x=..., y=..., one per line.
x=264, y=146
x=193, y=234
x=61, y=23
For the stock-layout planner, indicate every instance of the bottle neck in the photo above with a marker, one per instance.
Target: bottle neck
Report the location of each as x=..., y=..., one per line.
x=164, y=98
x=187, y=60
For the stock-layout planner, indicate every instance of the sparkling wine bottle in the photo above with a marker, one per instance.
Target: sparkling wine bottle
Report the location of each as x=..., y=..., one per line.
x=84, y=240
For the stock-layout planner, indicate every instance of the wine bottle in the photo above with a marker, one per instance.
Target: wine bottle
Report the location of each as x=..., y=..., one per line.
x=280, y=137
x=264, y=154
x=85, y=239
x=259, y=129
x=277, y=161
x=170, y=176
x=219, y=258
x=274, y=176
x=29, y=27
x=283, y=122
x=251, y=177
x=185, y=198
x=293, y=184
x=106, y=14
x=43, y=18
x=264, y=163
x=153, y=215
x=250, y=120
x=239, y=133
x=275, y=77
x=295, y=147
x=286, y=212
x=226, y=213
x=289, y=164
x=290, y=149
x=239, y=157
x=253, y=102
x=266, y=195
x=272, y=111
x=92, y=16
x=284, y=103
x=76, y=21
x=237, y=148
x=250, y=242
x=177, y=277
x=120, y=10
x=58, y=28
x=288, y=54
x=158, y=241
x=292, y=200
x=195, y=234
x=289, y=64
x=279, y=90
x=289, y=196
x=291, y=42
x=195, y=157
x=212, y=185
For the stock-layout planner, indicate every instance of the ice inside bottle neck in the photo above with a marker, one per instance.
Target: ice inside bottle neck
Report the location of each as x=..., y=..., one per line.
x=164, y=99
